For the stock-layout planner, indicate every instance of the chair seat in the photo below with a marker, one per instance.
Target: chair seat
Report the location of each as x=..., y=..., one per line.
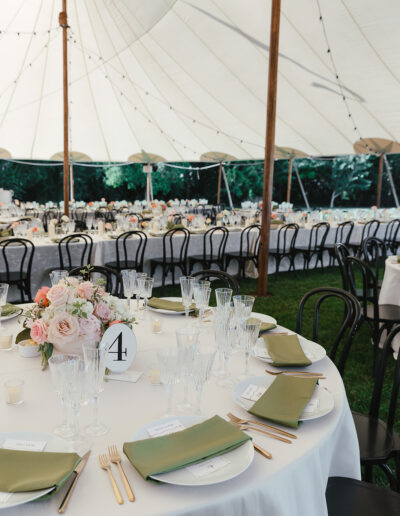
x=387, y=313
x=280, y=251
x=167, y=261
x=13, y=277
x=236, y=254
x=206, y=258
x=349, y=497
x=307, y=250
x=130, y=264
x=376, y=440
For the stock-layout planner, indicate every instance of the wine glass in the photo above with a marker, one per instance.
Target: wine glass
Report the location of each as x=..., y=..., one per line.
x=136, y=287
x=57, y=275
x=145, y=289
x=223, y=297
x=3, y=300
x=95, y=360
x=248, y=332
x=187, y=342
x=201, y=371
x=64, y=429
x=187, y=283
x=167, y=358
x=201, y=295
x=225, y=333
x=128, y=280
x=243, y=307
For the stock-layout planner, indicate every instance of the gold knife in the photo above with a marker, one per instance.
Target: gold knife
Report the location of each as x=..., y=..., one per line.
x=78, y=470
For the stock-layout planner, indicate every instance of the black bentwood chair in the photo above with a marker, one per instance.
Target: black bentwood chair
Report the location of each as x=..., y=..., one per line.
x=316, y=244
x=17, y=256
x=391, y=234
x=346, y=332
x=129, y=259
x=221, y=276
x=175, y=248
x=248, y=250
x=214, y=243
x=285, y=245
x=75, y=250
x=342, y=236
x=341, y=253
x=369, y=229
x=374, y=252
x=112, y=278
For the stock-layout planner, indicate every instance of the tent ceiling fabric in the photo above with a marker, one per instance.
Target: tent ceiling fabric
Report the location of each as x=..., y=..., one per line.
x=378, y=145
x=146, y=157
x=183, y=77
x=73, y=156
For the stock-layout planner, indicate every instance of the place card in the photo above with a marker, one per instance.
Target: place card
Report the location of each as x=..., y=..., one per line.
x=4, y=497
x=208, y=466
x=131, y=376
x=166, y=428
x=311, y=406
x=253, y=392
x=21, y=444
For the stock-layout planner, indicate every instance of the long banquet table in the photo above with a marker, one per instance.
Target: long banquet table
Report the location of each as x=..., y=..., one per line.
x=292, y=483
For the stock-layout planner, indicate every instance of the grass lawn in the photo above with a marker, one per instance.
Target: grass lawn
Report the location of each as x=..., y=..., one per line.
x=286, y=293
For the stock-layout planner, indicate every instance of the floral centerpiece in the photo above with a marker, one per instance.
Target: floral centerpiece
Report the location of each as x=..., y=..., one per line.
x=70, y=313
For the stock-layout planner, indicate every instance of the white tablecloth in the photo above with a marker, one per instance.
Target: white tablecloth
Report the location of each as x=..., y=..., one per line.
x=291, y=484
x=390, y=291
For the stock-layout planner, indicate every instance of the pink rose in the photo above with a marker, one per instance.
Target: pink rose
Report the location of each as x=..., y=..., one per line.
x=39, y=331
x=90, y=328
x=63, y=330
x=58, y=295
x=85, y=290
x=102, y=311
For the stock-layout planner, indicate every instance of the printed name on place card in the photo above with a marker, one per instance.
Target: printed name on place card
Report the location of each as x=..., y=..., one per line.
x=208, y=466
x=166, y=428
x=20, y=444
x=311, y=406
x=253, y=392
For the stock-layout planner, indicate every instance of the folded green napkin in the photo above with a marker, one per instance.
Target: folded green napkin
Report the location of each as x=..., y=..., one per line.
x=285, y=350
x=8, y=309
x=165, y=304
x=195, y=444
x=285, y=399
x=266, y=326
x=22, y=471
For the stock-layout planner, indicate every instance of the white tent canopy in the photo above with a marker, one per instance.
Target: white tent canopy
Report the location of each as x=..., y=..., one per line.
x=183, y=77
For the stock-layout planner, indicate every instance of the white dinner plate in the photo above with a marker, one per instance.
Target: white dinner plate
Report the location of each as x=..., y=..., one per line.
x=53, y=444
x=239, y=459
x=167, y=312
x=11, y=316
x=312, y=350
x=324, y=397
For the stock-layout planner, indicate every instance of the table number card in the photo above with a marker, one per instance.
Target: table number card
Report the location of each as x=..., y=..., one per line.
x=121, y=343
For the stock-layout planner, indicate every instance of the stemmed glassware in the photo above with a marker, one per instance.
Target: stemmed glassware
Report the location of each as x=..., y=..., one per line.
x=145, y=290
x=56, y=362
x=136, y=287
x=57, y=275
x=187, y=341
x=187, y=283
x=169, y=369
x=223, y=297
x=243, y=307
x=128, y=280
x=225, y=332
x=248, y=333
x=201, y=295
x=95, y=360
x=202, y=364
x=3, y=300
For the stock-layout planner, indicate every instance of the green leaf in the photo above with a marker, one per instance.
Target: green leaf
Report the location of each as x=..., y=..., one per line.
x=23, y=335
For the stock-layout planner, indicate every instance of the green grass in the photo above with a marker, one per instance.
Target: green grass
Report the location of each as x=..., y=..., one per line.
x=285, y=295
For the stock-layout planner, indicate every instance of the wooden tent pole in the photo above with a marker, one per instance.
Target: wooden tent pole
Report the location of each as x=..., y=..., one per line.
x=219, y=183
x=63, y=21
x=269, y=148
x=289, y=180
x=379, y=190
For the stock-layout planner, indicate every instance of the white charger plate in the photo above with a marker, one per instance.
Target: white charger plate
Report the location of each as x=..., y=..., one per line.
x=240, y=458
x=326, y=401
x=11, y=316
x=53, y=444
x=313, y=351
x=167, y=312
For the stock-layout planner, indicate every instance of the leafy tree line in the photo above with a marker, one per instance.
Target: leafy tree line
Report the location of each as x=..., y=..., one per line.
x=340, y=181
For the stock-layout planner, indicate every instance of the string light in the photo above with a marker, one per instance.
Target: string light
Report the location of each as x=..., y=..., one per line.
x=27, y=33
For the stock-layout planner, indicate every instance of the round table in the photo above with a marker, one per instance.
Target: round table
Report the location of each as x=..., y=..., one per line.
x=292, y=483
x=390, y=291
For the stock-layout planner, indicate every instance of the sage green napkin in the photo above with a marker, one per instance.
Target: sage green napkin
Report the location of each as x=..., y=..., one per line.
x=285, y=350
x=266, y=326
x=165, y=304
x=195, y=444
x=22, y=471
x=9, y=309
x=284, y=400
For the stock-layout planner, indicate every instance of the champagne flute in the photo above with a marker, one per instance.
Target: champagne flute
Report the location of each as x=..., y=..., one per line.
x=128, y=280
x=3, y=300
x=57, y=275
x=201, y=295
x=146, y=289
x=136, y=287
x=187, y=283
x=168, y=366
x=187, y=342
x=64, y=429
x=248, y=333
x=201, y=371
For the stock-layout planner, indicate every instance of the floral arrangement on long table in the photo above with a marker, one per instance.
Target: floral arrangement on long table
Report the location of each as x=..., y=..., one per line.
x=70, y=313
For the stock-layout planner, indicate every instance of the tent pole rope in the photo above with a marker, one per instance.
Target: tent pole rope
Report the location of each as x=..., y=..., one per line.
x=269, y=148
x=228, y=190
x=63, y=21
x=289, y=180
x=379, y=188
x=219, y=183
x=392, y=186
x=303, y=192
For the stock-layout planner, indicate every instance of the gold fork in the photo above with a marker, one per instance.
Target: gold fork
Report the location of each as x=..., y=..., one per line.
x=246, y=426
x=105, y=464
x=302, y=373
x=116, y=459
x=240, y=421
